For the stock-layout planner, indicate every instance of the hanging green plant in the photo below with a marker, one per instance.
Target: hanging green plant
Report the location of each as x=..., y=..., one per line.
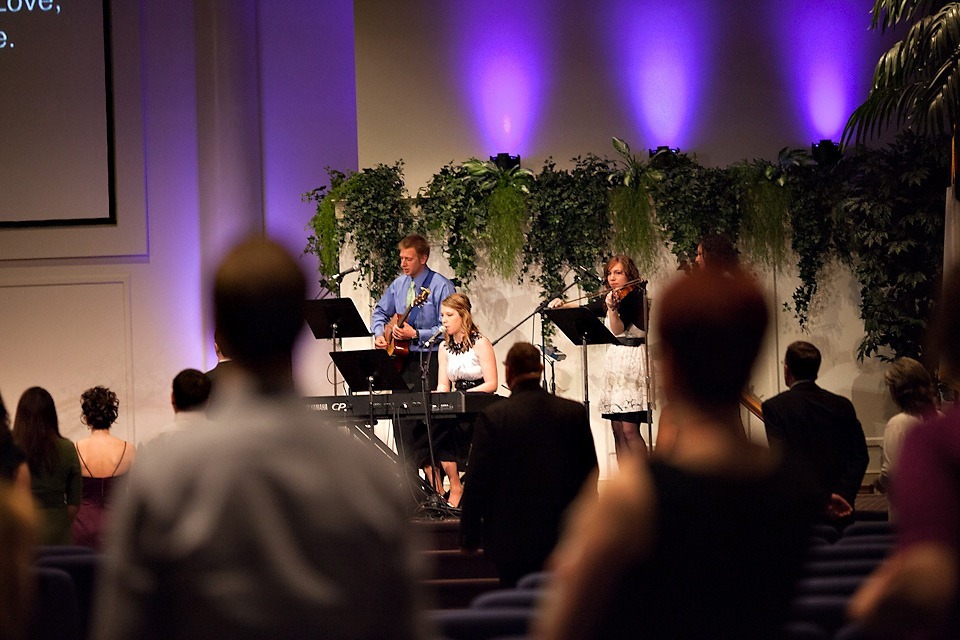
x=815, y=193
x=452, y=215
x=632, y=214
x=692, y=201
x=506, y=193
x=569, y=224
x=895, y=211
x=376, y=215
x=765, y=206
x=325, y=237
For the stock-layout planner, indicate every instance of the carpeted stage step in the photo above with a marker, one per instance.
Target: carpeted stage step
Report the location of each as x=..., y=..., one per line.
x=456, y=578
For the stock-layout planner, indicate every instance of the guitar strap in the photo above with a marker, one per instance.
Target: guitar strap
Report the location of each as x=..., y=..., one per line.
x=415, y=312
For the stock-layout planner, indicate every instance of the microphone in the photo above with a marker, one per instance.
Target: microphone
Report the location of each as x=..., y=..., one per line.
x=340, y=275
x=433, y=339
x=589, y=275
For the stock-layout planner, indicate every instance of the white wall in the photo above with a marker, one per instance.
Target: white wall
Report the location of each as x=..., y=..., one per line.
x=135, y=316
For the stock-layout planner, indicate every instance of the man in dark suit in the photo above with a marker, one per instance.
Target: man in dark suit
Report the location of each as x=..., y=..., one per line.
x=819, y=430
x=532, y=453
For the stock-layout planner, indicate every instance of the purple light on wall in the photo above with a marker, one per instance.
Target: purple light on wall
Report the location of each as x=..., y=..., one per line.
x=822, y=48
x=658, y=53
x=500, y=49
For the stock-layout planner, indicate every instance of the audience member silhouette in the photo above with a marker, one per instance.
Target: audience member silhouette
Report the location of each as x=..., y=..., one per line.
x=104, y=461
x=266, y=524
x=705, y=540
x=191, y=391
x=820, y=431
x=13, y=464
x=915, y=593
x=17, y=552
x=531, y=455
x=915, y=394
x=54, y=465
x=224, y=360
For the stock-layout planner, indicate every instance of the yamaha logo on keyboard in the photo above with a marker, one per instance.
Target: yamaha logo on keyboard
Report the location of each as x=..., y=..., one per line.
x=324, y=404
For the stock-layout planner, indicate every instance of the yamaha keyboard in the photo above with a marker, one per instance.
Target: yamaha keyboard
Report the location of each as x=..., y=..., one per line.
x=403, y=403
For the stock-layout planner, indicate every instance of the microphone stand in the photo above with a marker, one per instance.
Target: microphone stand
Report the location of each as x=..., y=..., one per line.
x=434, y=502
x=648, y=387
x=325, y=291
x=540, y=307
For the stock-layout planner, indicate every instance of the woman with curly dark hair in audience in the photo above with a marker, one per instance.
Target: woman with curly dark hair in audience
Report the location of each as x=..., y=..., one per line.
x=104, y=459
x=53, y=462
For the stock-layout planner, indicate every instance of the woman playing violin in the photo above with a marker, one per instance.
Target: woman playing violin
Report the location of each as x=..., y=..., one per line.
x=623, y=393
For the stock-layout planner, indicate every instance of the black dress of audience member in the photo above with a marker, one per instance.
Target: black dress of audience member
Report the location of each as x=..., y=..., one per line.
x=706, y=539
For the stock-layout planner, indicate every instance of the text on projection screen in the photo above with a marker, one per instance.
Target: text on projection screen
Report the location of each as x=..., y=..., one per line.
x=54, y=112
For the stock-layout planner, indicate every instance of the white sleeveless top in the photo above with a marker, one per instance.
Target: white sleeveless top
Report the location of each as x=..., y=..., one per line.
x=463, y=366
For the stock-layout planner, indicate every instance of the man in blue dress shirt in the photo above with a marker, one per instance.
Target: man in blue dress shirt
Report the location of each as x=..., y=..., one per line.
x=424, y=320
x=422, y=323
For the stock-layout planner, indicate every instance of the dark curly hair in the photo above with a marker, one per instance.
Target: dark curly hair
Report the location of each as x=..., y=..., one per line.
x=100, y=407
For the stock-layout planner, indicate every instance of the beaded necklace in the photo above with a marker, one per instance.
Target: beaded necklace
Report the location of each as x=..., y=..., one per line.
x=459, y=348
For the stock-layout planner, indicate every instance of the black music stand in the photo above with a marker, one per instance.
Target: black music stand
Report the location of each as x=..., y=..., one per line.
x=370, y=370
x=334, y=318
x=582, y=327
x=377, y=371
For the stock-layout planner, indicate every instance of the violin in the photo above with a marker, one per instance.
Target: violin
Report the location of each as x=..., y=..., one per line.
x=618, y=294
x=623, y=292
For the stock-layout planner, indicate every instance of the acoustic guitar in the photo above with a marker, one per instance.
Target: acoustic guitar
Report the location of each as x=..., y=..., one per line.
x=402, y=347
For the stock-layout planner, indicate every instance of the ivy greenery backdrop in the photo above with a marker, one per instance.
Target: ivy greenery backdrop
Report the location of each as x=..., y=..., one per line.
x=879, y=211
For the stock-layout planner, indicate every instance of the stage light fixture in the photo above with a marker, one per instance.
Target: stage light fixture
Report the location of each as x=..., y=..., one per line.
x=663, y=149
x=505, y=161
x=826, y=152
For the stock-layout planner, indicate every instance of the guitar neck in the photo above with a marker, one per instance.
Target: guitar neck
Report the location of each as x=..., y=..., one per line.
x=403, y=318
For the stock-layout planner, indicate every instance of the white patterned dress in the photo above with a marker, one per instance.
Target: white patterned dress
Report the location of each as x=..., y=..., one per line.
x=623, y=388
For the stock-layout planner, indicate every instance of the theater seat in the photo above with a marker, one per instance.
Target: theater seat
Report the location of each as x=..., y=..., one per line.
x=536, y=580
x=507, y=598
x=82, y=568
x=56, y=615
x=481, y=624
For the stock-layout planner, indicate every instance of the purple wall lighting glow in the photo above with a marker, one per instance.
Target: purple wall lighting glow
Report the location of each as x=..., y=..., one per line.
x=659, y=53
x=500, y=48
x=822, y=48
